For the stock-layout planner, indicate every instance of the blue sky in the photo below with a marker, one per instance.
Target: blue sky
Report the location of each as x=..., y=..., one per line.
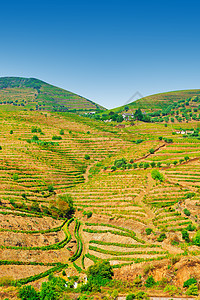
x=104, y=50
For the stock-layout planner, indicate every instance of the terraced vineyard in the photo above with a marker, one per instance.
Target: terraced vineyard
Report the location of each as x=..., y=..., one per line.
x=123, y=213
x=33, y=94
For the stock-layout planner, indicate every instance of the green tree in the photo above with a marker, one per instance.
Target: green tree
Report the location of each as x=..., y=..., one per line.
x=65, y=205
x=151, y=151
x=35, y=138
x=62, y=132
x=27, y=292
x=189, y=282
x=53, y=289
x=153, y=164
x=162, y=237
x=87, y=157
x=138, y=114
x=156, y=175
x=148, y=231
x=50, y=188
x=100, y=273
x=185, y=235
x=186, y=212
x=150, y=282
x=146, y=165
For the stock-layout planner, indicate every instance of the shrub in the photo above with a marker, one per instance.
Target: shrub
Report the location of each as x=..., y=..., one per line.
x=100, y=273
x=120, y=163
x=87, y=157
x=156, y=175
x=141, y=295
x=55, y=137
x=53, y=288
x=140, y=165
x=185, y=235
x=153, y=164
x=191, y=227
x=162, y=237
x=62, y=132
x=171, y=289
x=148, y=231
x=36, y=129
x=137, y=281
x=113, y=168
x=35, y=207
x=0, y=147
x=35, y=138
x=186, y=158
x=88, y=214
x=65, y=206
x=11, y=132
x=135, y=166
x=168, y=141
x=160, y=138
x=150, y=282
x=28, y=292
x=192, y=290
x=189, y=282
x=130, y=297
x=6, y=281
x=189, y=195
x=15, y=177
x=24, y=195
x=186, y=212
x=50, y=188
x=151, y=151
x=146, y=165
x=196, y=239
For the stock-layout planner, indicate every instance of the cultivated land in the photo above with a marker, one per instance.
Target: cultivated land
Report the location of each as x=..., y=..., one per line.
x=123, y=213
x=34, y=94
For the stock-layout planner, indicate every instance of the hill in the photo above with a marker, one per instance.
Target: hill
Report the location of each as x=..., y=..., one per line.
x=34, y=94
x=135, y=191
x=161, y=100
x=170, y=107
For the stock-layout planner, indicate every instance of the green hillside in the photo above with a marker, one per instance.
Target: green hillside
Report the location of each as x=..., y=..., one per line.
x=170, y=107
x=135, y=191
x=34, y=94
x=158, y=101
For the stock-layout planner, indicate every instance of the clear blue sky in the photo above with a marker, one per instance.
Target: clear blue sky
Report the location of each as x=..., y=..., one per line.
x=105, y=50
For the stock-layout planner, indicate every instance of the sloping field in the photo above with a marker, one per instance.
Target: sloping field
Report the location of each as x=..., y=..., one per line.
x=122, y=215
x=34, y=94
x=161, y=100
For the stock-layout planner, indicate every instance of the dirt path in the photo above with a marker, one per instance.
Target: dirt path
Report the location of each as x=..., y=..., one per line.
x=86, y=175
x=139, y=200
x=149, y=154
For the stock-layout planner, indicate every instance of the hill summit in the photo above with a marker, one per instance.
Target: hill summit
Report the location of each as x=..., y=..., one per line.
x=34, y=94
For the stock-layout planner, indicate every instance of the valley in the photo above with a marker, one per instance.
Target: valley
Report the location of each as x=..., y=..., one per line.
x=75, y=191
